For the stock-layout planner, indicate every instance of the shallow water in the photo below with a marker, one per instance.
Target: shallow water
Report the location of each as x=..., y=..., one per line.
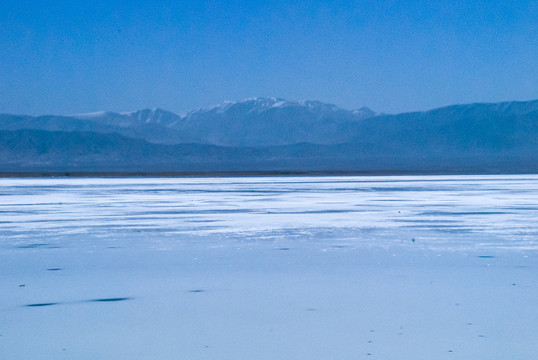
x=414, y=267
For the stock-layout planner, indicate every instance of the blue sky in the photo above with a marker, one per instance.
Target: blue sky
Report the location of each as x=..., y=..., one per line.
x=67, y=57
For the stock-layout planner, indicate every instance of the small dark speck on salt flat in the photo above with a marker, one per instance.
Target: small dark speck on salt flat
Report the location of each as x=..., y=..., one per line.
x=283, y=249
x=54, y=269
x=197, y=291
x=486, y=256
x=22, y=285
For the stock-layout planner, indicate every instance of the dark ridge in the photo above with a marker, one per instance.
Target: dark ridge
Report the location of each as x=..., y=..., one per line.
x=120, y=174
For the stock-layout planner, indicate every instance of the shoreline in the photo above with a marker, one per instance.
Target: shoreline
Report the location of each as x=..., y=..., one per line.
x=254, y=173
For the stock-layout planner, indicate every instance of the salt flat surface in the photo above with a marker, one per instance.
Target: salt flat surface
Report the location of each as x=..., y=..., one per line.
x=402, y=267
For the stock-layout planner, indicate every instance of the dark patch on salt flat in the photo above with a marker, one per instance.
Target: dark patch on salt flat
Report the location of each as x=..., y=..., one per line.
x=41, y=304
x=486, y=256
x=283, y=249
x=32, y=246
x=427, y=221
x=54, y=269
x=320, y=212
x=197, y=291
x=458, y=213
x=201, y=221
x=110, y=299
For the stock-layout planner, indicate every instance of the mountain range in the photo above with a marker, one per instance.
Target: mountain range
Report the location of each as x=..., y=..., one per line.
x=277, y=135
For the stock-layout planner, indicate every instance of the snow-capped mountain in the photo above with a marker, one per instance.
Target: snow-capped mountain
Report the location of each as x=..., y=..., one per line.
x=251, y=122
x=275, y=134
x=264, y=122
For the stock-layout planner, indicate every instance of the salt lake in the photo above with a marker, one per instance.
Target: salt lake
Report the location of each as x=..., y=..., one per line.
x=288, y=267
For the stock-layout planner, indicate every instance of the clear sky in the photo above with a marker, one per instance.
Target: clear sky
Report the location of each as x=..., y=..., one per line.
x=65, y=57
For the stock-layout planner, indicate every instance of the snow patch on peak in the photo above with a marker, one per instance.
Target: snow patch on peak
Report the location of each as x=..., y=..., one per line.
x=315, y=104
x=92, y=115
x=261, y=100
x=279, y=104
x=224, y=105
x=365, y=112
x=260, y=103
x=129, y=113
x=257, y=103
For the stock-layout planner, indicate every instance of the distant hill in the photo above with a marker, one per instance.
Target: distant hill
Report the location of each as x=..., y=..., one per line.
x=252, y=122
x=274, y=134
